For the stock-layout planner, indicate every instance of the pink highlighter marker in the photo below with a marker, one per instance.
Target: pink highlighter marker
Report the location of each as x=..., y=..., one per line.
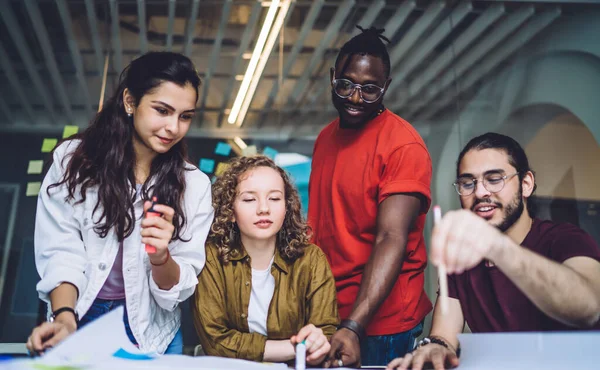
x=152, y=213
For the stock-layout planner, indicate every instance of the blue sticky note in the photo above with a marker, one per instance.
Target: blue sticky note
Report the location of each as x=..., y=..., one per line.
x=121, y=353
x=270, y=152
x=207, y=165
x=223, y=149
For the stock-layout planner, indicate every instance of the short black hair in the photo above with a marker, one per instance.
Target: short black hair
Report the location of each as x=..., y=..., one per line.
x=516, y=156
x=368, y=42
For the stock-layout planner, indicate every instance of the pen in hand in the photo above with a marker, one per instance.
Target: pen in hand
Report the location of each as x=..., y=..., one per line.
x=437, y=217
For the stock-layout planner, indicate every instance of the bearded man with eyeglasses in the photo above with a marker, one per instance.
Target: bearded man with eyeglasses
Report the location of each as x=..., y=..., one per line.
x=369, y=194
x=508, y=271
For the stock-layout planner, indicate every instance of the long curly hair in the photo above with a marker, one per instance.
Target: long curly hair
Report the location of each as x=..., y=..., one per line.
x=105, y=158
x=294, y=235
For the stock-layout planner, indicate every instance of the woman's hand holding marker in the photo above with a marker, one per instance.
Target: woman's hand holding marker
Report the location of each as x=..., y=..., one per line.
x=157, y=231
x=317, y=345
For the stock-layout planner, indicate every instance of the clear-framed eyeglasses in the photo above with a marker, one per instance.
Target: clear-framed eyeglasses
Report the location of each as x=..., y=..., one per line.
x=369, y=93
x=492, y=182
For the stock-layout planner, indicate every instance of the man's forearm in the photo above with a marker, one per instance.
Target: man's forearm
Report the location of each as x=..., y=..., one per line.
x=380, y=274
x=447, y=326
x=556, y=289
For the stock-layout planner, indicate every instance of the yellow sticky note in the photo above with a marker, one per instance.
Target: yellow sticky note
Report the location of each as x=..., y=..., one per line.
x=48, y=145
x=33, y=188
x=69, y=131
x=35, y=167
x=249, y=151
x=221, y=167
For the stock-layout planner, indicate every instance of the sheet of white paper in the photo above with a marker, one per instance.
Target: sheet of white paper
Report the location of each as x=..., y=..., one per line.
x=92, y=348
x=526, y=351
x=94, y=343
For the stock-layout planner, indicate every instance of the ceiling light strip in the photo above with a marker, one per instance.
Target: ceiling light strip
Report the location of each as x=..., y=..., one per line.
x=263, y=60
x=260, y=43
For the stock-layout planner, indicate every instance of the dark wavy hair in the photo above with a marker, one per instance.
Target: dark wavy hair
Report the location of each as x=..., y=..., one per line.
x=516, y=158
x=224, y=234
x=105, y=158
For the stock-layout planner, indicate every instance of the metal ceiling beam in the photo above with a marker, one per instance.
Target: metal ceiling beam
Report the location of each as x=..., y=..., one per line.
x=505, y=51
x=332, y=30
x=226, y=133
x=91, y=19
x=190, y=28
x=214, y=56
x=466, y=38
x=416, y=31
x=474, y=54
x=369, y=17
x=141, y=8
x=307, y=27
x=244, y=43
x=50, y=60
x=15, y=84
x=366, y=21
x=170, y=25
x=399, y=17
x=421, y=51
x=10, y=20
x=115, y=36
x=63, y=11
x=6, y=111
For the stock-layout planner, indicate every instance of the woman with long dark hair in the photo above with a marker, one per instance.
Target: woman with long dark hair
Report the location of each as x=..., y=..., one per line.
x=90, y=229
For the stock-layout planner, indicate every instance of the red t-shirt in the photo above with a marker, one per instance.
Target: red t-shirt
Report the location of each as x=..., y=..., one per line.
x=492, y=303
x=353, y=171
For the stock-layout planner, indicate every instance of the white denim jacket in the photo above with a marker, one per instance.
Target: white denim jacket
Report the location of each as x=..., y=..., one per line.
x=67, y=249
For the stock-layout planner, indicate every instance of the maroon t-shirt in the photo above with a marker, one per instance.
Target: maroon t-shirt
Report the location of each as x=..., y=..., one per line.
x=492, y=303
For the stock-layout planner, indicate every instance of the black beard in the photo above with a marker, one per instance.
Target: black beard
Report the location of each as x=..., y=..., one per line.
x=513, y=212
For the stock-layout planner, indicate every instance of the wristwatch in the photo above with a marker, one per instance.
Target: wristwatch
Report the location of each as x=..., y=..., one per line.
x=64, y=309
x=425, y=341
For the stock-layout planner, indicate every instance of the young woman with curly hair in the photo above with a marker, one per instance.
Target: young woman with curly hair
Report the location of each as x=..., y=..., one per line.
x=264, y=287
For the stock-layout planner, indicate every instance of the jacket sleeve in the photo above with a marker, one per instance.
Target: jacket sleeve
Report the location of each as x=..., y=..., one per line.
x=209, y=308
x=189, y=254
x=321, y=297
x=59, y=251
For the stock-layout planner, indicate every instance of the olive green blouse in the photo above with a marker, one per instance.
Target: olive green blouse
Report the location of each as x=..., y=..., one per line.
x=304, y=294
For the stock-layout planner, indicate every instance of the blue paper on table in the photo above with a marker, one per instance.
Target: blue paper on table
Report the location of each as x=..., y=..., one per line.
x=270, y=152
x=121, y=353
x=223, y=149
x=207, y=165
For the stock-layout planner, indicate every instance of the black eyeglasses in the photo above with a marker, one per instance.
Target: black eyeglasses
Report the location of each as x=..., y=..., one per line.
x=369, y=93
x=492, y=182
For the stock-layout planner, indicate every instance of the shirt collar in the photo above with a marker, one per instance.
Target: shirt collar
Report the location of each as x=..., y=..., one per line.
x=278, y=261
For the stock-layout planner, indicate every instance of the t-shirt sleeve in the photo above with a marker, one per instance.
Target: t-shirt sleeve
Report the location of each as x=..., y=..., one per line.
x=572, y=241
x=407, y=170
x=452, y=291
